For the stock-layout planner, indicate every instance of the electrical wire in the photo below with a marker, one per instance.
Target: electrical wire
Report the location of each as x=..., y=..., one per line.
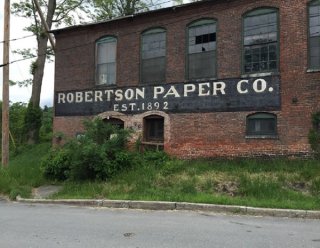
x=20, y=38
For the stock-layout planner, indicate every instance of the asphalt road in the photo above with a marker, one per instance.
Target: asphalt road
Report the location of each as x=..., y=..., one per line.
x=25, y=225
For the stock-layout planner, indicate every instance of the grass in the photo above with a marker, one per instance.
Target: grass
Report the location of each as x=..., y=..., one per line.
x=276, y=183
x=23, y=172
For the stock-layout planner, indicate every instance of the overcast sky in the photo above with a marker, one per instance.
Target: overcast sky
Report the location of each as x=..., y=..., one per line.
x=20, y=70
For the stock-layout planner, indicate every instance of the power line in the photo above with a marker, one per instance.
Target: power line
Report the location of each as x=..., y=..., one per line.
x=20, y=38
x=32, y=35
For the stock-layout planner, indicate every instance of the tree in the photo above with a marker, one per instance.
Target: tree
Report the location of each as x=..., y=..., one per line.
x=64, y=12
x=56, y=12
x=108, y=9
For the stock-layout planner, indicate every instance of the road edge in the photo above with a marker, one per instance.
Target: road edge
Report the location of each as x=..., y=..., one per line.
x=162, y=205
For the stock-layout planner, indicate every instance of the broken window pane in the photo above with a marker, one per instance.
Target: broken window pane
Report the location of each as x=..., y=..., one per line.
x=201, y=50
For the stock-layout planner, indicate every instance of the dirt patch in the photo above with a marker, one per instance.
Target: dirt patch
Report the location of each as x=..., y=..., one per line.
x=45, y=191
x=230, y=188
x=302, y=187
x=4, y=198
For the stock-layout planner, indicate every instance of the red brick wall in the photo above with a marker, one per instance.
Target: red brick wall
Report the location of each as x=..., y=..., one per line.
x=205, y=134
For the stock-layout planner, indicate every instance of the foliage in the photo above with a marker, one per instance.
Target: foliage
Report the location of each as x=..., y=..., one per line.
x=108, y=9
x=17, y=129
x=98, y=154
x=314, y=134
x=56, y=12
x=17, y=114
x=63, y=12
x=23, y=172
x=46, y=124
x=32, y=121
x=276, y=183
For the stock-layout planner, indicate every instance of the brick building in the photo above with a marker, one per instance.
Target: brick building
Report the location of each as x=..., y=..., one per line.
x=206, y=79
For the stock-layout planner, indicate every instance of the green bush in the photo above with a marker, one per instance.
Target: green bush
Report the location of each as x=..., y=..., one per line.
x=155, y=157
x=98, y=154
x=314, y=134
x=32, y=123
x=315, y=186
x=56, y=165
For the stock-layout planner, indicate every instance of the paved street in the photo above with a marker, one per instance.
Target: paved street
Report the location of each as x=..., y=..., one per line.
x=25, y=225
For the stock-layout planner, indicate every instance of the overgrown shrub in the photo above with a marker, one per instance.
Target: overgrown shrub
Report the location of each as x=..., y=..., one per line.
x=45, y=131
x=19, y=124
x=314, y=134
x=32, y=123
x=155, y=157
x=98, y=154
x=57, y=164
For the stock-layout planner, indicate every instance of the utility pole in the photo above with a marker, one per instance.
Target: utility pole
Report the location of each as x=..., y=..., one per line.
x=5, y=85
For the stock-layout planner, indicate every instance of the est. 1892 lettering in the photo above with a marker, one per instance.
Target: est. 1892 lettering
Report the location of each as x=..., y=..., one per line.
x=144, y=106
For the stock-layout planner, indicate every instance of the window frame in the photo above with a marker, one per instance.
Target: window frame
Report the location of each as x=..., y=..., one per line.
x=251, y=13
x=311, y=3
x=152, y=30
x=146, y=129
x=262, y=134
x=102, y=40
x=116, y=122
x=200, y=22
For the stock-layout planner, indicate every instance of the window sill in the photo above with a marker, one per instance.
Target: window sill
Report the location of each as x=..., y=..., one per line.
x=313, y=70
x=158, y=146
x=200, y=80
x=152, y=143
x=264, y=137
x=260, y=74
x=105, y=85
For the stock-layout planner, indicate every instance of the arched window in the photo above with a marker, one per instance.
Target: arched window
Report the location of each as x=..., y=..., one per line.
x=260, y=41
x=262, y=124
x=106, y=50
x=114, y=122
x=153, y=55
x=154, y=129
x=314, y=35
x=202, y=49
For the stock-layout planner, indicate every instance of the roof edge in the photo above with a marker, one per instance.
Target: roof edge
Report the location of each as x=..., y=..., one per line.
x=128, y=16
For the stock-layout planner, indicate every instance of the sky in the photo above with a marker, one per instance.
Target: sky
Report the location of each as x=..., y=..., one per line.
x=20, y=70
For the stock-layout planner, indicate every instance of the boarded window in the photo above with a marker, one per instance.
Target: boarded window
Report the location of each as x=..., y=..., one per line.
x=106, y=61
x=202, y=49
x=260, y=40
x=262, y=124
x=153, y=58
x=314, y=33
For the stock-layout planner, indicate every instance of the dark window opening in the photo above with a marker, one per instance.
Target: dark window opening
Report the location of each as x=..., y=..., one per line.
x=262, y=124
x=154, y=129
x=114, y=122
x=205, y=38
